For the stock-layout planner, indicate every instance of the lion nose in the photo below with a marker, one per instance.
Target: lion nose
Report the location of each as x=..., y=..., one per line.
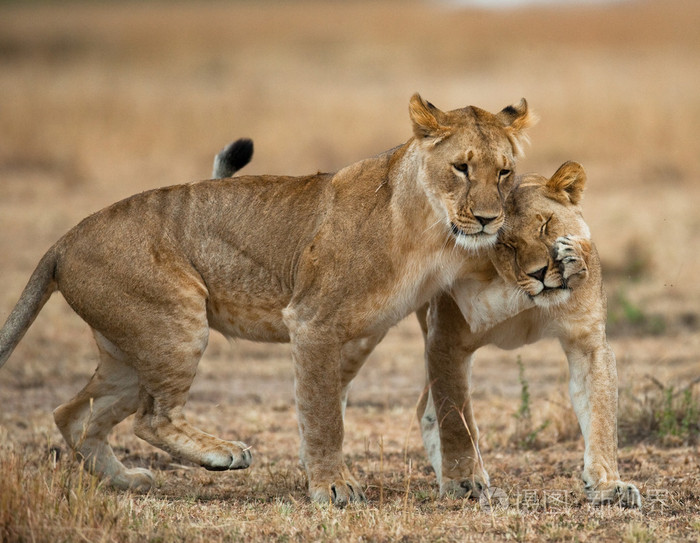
x=485, y=220
x=539, y=274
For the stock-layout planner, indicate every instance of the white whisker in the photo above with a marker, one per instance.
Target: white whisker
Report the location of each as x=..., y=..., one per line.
x=438, y=221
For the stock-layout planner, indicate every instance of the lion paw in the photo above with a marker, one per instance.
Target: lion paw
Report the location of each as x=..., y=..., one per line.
x=471, y=487
x=570, y=253
x=615, y=493
x=235, y=455
x=340, y=492
x=136, y=479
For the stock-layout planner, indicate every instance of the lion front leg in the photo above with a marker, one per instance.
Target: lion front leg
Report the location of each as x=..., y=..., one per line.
x=318, y=389
x=593, y=389
x=448, y=427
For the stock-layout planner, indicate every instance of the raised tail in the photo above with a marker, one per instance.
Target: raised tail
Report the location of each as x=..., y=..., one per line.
x=38, y=290
x=232, y=158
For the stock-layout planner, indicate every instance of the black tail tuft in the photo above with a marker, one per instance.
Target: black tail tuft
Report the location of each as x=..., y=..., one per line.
x=233, y=157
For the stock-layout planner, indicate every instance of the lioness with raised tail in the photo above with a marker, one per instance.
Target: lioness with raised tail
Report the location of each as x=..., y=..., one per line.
x=328, y=262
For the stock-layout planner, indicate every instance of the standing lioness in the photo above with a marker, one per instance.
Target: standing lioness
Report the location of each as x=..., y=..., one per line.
x=326, y=262
x=541, y=278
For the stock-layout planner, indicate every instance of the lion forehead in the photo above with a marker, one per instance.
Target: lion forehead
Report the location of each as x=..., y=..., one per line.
x=534, y=221
x=484, y=142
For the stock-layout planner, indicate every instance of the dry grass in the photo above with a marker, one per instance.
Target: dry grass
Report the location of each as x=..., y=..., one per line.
x=103, y=100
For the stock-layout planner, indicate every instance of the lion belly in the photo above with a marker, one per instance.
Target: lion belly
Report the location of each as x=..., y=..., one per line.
x=243, y=318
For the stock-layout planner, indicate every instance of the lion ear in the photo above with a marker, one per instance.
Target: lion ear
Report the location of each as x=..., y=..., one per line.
x=516, y=119
x=424, y=116
x=569, y=180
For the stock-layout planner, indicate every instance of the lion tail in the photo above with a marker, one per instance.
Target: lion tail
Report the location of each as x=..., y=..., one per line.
x=38, y=290
x=232, y=158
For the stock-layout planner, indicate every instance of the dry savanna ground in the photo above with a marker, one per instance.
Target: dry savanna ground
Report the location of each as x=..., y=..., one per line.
x=102, y=100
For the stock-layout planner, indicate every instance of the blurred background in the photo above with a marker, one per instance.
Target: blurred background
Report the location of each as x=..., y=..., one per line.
x=99, y=100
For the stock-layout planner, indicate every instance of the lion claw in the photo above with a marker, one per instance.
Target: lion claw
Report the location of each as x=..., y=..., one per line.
x=339, y=494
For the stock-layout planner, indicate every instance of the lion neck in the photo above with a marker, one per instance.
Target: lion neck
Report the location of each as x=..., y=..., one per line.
x=414, y=216
x=418, y=216
x=421, y=237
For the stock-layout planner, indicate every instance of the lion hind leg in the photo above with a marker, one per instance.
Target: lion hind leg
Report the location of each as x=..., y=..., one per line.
x=159, y=420
x=86, y=420
x=166, y=373
x=430, y=433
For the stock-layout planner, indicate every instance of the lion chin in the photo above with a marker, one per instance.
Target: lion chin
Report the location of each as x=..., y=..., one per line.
x=473, y=242
x=548, y=298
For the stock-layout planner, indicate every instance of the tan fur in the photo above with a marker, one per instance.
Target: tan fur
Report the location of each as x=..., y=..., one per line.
x=548, y=283
x=328, y=262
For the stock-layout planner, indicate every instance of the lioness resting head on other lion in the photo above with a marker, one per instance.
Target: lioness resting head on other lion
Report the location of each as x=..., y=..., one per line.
x=539, y=285
x=549, y=284
x=328, y=262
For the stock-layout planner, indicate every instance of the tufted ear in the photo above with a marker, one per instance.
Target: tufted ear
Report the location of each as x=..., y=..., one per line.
x=516, y=119
x=568, y=181
x=424, y=116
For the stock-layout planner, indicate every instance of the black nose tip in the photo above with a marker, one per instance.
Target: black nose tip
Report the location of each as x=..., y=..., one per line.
x=539, y=274
x=484, y=220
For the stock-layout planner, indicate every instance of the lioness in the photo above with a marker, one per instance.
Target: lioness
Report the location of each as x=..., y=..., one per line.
x=328, y=262
x=537, y=272
x=542, y=257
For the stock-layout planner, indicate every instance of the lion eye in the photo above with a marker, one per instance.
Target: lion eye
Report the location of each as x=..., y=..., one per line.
x=543, y=228
x=461, y=167
x=504, y=173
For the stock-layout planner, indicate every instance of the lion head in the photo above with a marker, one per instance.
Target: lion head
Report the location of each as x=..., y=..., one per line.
x=540, y=212
x=467, y=165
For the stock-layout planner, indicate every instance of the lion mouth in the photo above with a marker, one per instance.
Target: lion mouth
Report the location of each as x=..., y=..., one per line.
x=473, y=241
x=457, y=231
x=550, y=297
